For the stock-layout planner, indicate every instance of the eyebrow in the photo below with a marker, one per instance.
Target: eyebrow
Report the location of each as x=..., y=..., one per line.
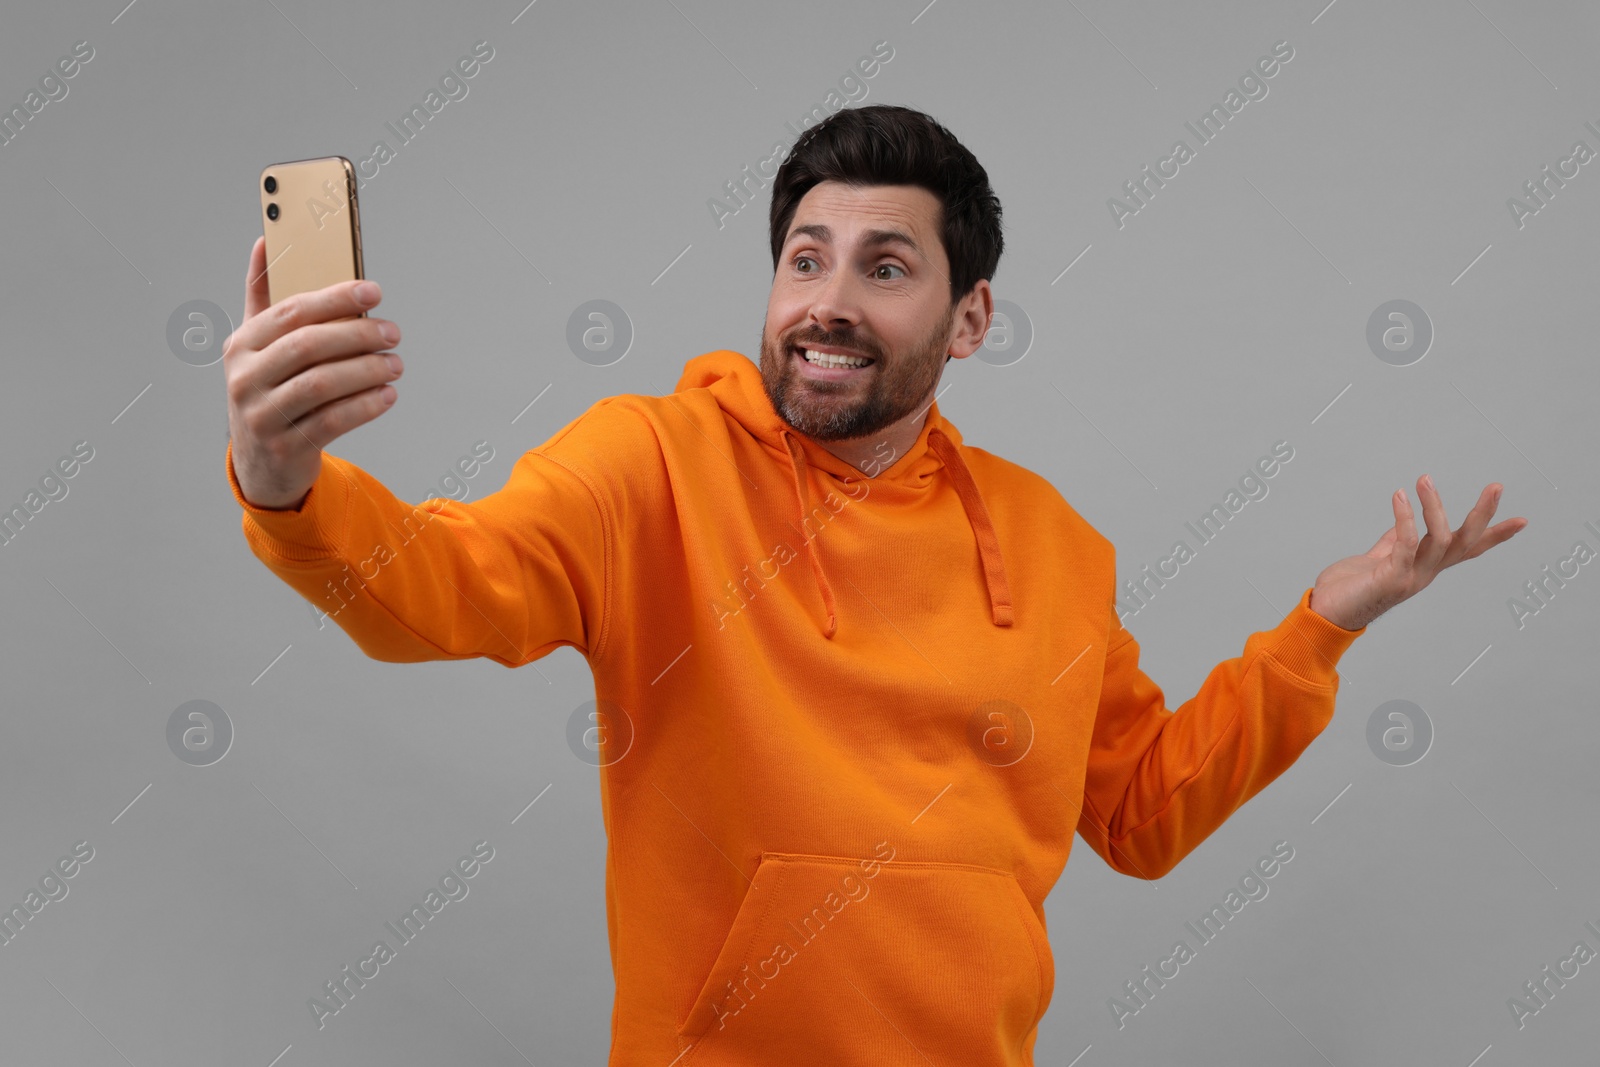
x=870, y=238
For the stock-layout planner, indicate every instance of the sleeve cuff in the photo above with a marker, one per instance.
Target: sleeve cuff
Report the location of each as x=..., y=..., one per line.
x=1311, y=645
x=314, y=530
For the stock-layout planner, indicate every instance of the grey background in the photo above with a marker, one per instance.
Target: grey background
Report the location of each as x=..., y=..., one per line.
x=1227, y=315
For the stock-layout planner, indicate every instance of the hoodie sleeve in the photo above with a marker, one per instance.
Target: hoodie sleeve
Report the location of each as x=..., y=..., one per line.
x=510, y=577
x=1160, y=780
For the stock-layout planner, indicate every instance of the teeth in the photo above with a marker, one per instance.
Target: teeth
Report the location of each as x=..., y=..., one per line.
x=826, y=359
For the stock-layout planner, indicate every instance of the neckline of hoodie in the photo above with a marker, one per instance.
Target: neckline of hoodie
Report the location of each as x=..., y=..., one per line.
x=913, y=469
x=916, y=468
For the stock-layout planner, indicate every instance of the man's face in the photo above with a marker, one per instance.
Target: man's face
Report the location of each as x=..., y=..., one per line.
x=862, y=272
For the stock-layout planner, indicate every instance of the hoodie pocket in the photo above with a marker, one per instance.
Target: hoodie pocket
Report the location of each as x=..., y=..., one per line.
x=831, y=964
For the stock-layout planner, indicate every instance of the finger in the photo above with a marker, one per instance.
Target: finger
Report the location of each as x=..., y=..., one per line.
x=1437, y=542
x=319, y=342
x=1381, y=547
x=296, y=400
x=334, y=420
x=1496, y=534
x=1405, y=539
x=255, y=281
x=337, y=301
x=255, y=291
x=349, y=362
x=1477, y=519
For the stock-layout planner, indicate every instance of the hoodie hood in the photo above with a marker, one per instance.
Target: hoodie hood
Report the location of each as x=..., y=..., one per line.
x=735, y=381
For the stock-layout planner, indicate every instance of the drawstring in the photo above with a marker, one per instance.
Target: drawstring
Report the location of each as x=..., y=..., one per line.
x=994, y=571
x=994, y=568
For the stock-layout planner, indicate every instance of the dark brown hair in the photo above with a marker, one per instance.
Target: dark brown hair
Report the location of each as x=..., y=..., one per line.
x=885, y=144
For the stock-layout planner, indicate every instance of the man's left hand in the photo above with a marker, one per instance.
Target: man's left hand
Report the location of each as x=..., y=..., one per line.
x=1354, y=591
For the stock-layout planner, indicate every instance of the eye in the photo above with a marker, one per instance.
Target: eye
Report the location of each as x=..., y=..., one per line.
x=888, y=266
x=803, y=259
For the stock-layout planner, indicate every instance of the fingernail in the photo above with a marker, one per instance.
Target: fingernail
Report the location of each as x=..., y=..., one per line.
x=367, y=293
x=389, y=331
x=1427, y=480
x=394, y=363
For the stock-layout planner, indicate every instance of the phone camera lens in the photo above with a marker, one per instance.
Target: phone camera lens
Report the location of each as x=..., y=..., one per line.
x=272, y=211
x=271, y=184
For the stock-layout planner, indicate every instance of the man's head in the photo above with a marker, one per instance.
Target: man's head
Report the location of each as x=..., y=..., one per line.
x=885, y=235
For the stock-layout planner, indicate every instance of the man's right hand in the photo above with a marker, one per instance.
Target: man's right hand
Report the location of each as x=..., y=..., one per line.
x=301, y=373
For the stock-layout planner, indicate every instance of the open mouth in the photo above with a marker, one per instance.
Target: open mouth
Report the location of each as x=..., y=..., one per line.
x=829, y=363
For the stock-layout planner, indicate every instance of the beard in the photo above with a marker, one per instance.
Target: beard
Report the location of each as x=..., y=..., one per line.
x=895, y=386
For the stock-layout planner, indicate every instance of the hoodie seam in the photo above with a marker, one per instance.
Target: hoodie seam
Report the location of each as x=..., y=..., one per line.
x=755, y=932
x=1201, y=766
x=1100, y=823
x=1305, y=640
x=331, y=532
x=608, y=536
x=1025, y=914
x=1290, y=674
x=381, y=603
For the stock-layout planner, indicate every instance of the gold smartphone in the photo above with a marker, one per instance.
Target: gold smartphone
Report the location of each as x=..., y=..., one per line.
x=312, y=225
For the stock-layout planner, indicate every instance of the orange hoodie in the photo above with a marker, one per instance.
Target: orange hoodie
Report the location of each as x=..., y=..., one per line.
x=850, y=724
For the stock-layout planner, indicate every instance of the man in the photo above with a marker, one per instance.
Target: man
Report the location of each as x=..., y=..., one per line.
x=860, y=682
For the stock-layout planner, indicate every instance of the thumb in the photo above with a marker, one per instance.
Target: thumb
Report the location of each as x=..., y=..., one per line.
x=256, y=299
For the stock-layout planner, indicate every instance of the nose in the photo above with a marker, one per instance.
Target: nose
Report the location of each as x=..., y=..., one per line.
x=836, y=304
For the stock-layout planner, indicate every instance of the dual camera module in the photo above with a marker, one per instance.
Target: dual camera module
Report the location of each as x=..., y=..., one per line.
x=271, y=185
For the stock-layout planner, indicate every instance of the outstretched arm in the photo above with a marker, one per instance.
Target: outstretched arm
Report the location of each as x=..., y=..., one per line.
x=510, y=577
x=1160, y=780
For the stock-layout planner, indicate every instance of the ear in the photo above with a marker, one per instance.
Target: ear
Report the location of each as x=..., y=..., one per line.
x=971, y=321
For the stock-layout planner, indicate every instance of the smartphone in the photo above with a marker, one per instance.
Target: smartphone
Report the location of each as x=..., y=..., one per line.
x=312, y=225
